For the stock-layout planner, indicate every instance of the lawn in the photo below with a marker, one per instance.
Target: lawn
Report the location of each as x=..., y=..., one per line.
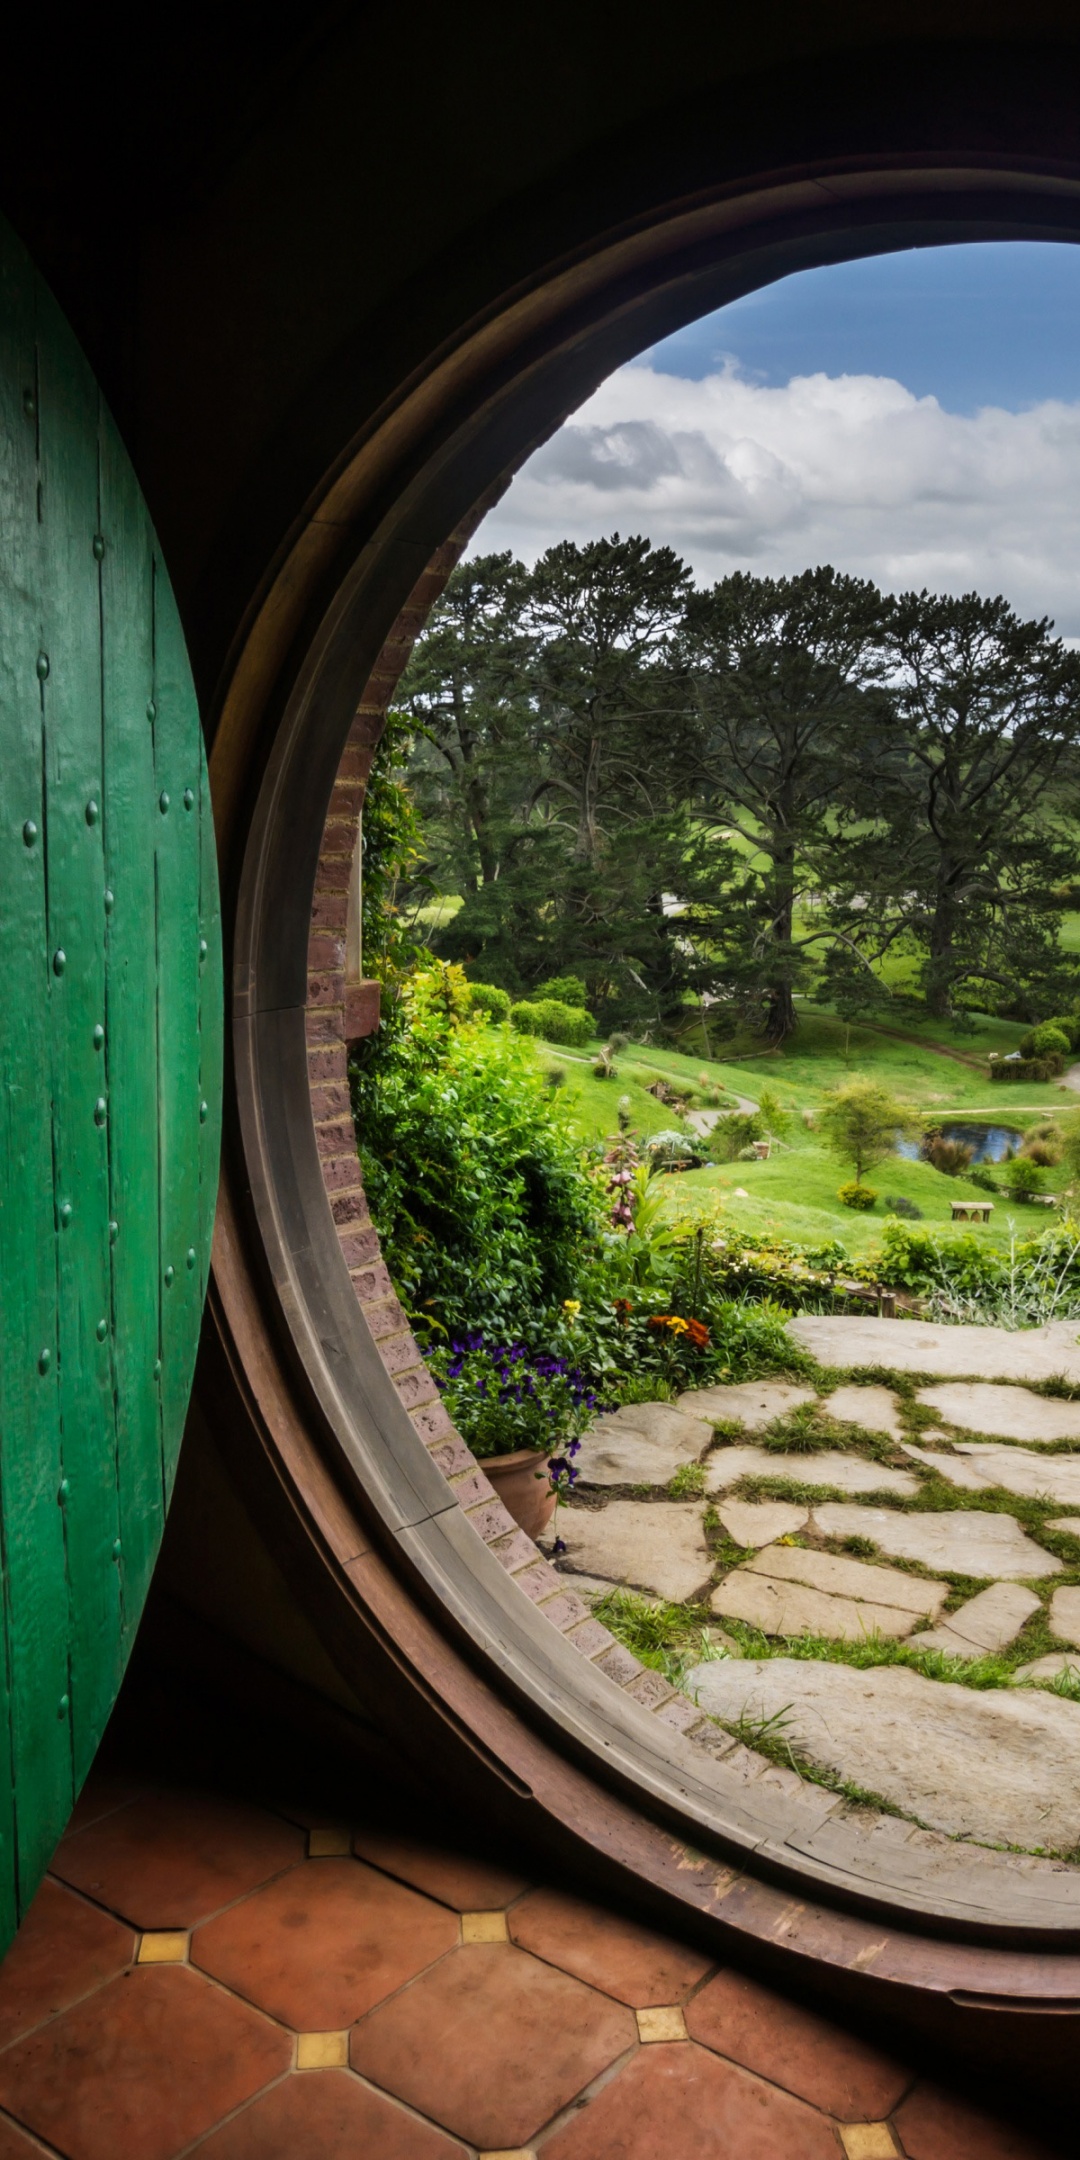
x=794, y=1194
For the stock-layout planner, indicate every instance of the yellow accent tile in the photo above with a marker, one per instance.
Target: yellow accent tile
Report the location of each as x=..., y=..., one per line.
x=484, y=1927
x=329, y=1844
x=166, y=1946
x=868, y=2141
x=322, y=2051
x=666, y=2024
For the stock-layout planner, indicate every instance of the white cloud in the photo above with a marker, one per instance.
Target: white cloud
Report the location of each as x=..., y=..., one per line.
x=851, y=469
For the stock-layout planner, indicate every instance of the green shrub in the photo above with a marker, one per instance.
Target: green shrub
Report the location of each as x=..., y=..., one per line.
x=553, y=1021
x=568, y=989
x=488, y=998
x=1052, y=1039
x=730, y=1135
x=474, y=1182
x=1021, y=1176
x=854, y=1195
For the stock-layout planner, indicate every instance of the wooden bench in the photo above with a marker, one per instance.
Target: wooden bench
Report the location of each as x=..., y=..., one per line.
x=972, y=1210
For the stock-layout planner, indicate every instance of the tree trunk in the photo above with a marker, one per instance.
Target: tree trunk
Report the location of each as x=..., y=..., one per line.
x=781, y=1019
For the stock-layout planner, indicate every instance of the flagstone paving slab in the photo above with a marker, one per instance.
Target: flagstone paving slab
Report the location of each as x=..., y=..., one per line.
x=853, y=1340
x=1008, y=1413
x=789, y=1591
x=964, y=1541
x=641, y=1444
x=786, y=1608
x=1070, y=1524
x=1049, y=1667
x=874, y=1408
x=755, y=1404
x=1065, y=1615
x=658, y=1546
x=753, y=1523
x=842, y=1577
x=990, y=1621
x=1033, y=1477
x=959, y=1471
x=846, y=1473
x=999, y=1764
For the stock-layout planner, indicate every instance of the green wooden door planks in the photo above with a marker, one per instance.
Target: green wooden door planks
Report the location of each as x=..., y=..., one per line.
x=110, y=1064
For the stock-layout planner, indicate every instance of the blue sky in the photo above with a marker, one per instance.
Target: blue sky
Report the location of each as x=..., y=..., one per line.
x=912, y=418
x=993, y=324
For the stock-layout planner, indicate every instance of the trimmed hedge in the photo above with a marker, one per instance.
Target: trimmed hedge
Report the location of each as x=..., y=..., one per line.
x=487, y=998
x=569, y=989
x=554, y=1021
x=1031, y=1068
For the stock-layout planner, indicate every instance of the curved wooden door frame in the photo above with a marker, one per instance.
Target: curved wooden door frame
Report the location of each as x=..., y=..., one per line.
x=392, y=1573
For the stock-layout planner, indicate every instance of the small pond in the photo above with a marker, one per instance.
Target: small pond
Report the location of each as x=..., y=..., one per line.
x=991, y=1143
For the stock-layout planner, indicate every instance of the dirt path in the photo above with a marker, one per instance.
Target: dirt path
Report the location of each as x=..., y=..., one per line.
x=962, y=1057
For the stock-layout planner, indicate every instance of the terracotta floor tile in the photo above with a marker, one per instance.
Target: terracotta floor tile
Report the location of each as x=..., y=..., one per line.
x=936, y=2125
x=803, y=2053
x=324, y=1943
x=171, y=1859
x=491, y=2043
x=610, y=1952
x=15, y=2145
x=455, y=1878
x=327, y=2115
x=142, y=2068
x=678, y=2102
x=101, y=1795
x=63, y=1948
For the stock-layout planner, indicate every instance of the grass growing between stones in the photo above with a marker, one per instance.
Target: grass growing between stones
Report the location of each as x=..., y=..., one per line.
x=669, y=1638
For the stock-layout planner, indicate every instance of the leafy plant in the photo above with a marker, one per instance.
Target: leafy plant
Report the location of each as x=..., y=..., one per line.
x=489, y=999
x=505, y=1396
x=855, y=1195
x=554, y=1021
x=485, y=1212
x=862, y=1121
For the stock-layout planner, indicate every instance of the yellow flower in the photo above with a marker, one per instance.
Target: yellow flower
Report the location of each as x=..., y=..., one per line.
x=571, y=1305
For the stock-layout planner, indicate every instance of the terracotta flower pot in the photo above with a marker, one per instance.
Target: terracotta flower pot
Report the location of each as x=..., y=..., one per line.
x=522, y=1483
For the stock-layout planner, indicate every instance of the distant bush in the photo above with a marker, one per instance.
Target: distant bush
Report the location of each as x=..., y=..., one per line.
x=568, y=989
x=552, y=1020
x=983, y=1178
x=487, y=998
x=1021, y=1176
x=951, y=1157
x=665, y=1150
x=854, y=1195
x=1041, y=1152
x=902, y=1206
x=1027, y=1068
x=1053, y=1038
x=731, y=1135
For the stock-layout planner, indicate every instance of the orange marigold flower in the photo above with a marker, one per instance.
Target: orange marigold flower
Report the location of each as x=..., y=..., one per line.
x=698, y=1333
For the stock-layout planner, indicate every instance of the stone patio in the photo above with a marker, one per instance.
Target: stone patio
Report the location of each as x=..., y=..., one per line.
x=961, y=1540
x=1002, y=1765
x=825, y=1466
x=788, y=1591
x=1008, y=1413
x=851, y=1341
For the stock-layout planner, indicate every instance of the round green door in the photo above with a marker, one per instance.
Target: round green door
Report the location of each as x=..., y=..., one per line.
x=110, y=1063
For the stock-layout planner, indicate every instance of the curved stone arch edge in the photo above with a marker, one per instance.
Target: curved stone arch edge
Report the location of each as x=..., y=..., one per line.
x=391, y=1433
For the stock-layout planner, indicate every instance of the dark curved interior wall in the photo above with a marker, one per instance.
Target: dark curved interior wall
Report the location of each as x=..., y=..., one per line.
x=263, y=223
